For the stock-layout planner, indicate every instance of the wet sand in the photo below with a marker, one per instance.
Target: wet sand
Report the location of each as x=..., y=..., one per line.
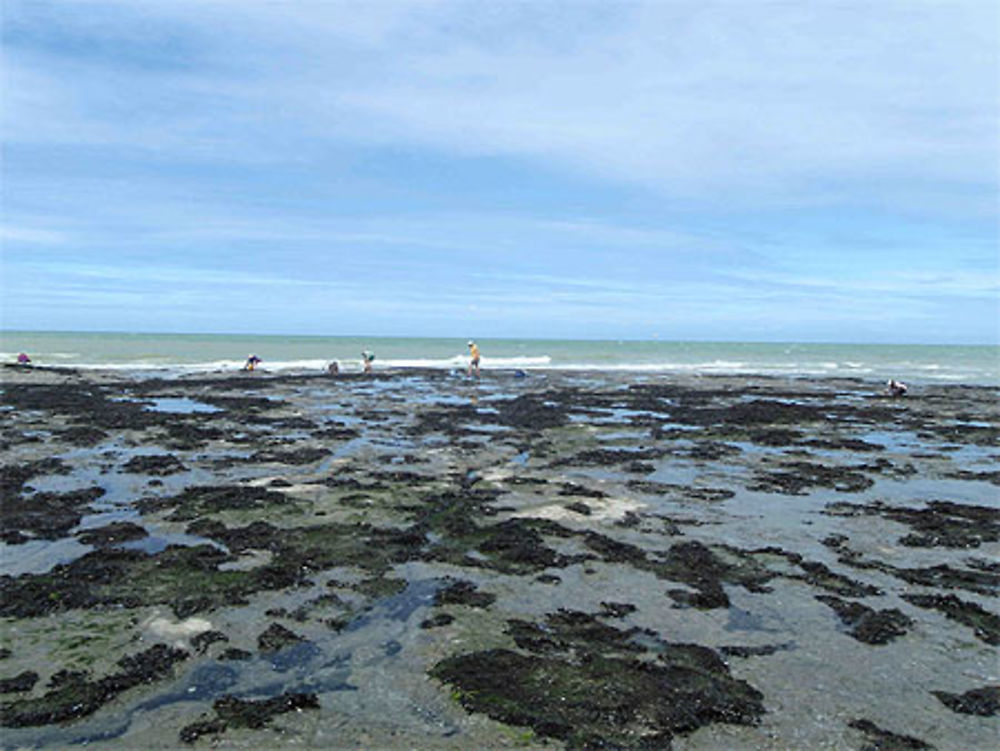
x=415, y=559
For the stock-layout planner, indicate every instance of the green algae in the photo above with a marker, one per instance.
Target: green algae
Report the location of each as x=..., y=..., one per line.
x=595, y=686
x=73, y=694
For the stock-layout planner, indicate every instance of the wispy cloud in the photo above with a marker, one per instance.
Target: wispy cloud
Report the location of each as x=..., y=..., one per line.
x=30, y=235
x=614, y=162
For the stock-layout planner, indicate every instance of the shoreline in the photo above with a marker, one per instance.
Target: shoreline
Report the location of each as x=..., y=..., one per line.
x=379, y=554
x=172, y=355
x=49, y=374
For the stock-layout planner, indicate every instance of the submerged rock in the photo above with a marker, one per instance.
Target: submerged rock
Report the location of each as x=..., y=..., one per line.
x=207, y=499
x=112, y=534
x=47, y=516
x=247, y=713
x=984, y=624
x=983, y=701
x=154, y=464
x=799, y=476
x=463, y=593
x=74, y=695
x=276, y=637
x=938, y=524
x=868, y=625
x=883, y=740
x=23, y=681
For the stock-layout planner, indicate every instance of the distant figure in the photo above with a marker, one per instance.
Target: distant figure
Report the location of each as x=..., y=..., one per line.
x=252, y=362
x=333, y=368
x=367, y=358
x=474, y=354
x=896, y=388
x=23, y=359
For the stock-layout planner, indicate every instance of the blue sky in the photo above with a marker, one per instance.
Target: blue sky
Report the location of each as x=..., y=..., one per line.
x=744, y=170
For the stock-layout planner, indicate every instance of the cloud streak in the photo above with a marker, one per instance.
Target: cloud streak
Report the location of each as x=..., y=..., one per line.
x=593, y=154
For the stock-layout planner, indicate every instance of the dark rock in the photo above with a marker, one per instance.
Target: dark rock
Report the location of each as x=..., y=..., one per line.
x=24, y=681
x=572, y=488
x=980, y=582
x=247, y=713
x=463, y=593
x=305, y=455
x=154, y=464
x=797, y=477
x=938, y=524
x=112, y=534
x=232, y=653
x=338, y=433
x=200, y=500
x=608, y=457
x=868, y=625
x=201, y=642
x=819, y=575
x=76, y=696
x=583, y=683
x=761, y=651
x=533, y=411
x=617, y=609
x=984, y=701
x=48, y=516
x=276, y=637
x=83, y=436
x=883, y=740
x=437, y=620
x=255, y=714
x=984, y=624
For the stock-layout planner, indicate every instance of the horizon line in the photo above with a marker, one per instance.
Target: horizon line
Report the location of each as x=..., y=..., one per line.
x=649, y=339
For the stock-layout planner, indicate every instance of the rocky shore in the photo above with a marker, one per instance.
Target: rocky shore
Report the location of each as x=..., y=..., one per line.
x=416, y=559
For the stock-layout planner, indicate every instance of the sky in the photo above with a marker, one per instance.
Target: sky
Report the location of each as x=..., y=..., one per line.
x=745, y=170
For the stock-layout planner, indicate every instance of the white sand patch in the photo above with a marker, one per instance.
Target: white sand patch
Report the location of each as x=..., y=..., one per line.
x=497, y=475
x=601, y=509
x=249, y=559
x=176, y=633
x=295, y=488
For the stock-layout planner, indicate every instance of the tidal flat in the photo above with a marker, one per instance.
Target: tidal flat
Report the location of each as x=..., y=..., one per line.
x=418, y=560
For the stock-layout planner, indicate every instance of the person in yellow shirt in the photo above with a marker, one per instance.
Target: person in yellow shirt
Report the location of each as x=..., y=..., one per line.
x=474, y=354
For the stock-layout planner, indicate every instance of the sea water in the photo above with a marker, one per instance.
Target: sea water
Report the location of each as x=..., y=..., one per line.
x=175, y=354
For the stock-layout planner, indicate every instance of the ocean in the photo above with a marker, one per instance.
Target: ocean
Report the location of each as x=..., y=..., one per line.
x=179, y=354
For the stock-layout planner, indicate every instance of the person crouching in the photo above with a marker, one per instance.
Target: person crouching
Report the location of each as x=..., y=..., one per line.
x=896, y=388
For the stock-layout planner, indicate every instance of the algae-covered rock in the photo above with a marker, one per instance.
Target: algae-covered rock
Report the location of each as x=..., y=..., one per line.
x=112, y=534
x=154, y=464
x=74, y=695
x=595, y=686
x=868, y=625
x=464, y=593
x=884, y=740
x=197, y=501
x=234, y=712
x=276, y=637
x=23, y=681
x=984, y=624
x=983, y=701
